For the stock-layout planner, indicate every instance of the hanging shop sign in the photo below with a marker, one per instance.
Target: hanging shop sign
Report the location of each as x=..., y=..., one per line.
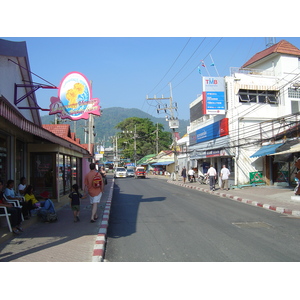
x=74, y=99
x=213, y=96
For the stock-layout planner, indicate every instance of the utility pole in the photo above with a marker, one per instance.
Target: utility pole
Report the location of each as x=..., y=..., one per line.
x=173, y=122
x=156, y=138
x=135, y=136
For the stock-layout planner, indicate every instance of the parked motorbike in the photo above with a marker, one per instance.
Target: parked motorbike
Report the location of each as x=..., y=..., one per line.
x=191, y=178
x=203, y=179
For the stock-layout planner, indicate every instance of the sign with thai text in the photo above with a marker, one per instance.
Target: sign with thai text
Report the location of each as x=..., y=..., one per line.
x=210, y=132
x=213, y=96
x=74, y=99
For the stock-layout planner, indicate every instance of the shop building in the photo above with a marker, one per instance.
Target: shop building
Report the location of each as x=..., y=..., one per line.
x=49, y=161
x=246, y=112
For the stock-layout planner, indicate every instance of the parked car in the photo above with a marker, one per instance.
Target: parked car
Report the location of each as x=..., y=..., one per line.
x=120, y=172
x=130, y=173
x=140, y=172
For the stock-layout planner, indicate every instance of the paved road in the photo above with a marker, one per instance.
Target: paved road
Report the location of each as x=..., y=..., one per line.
x=154, y=221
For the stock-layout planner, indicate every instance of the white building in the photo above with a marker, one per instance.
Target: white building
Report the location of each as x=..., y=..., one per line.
x=261, y=102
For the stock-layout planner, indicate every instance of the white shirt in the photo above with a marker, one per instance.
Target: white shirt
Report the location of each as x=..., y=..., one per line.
x=225, y=173
x=191, y=172
x=212, y=171
x=21, y=187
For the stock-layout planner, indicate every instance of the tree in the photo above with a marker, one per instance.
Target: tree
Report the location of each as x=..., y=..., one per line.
x=140, y=133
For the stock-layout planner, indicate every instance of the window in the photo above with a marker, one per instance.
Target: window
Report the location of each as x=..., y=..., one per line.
x=3, y=158
x=295, y=107
x=20, y=160
x=294, y=93
x=256, y=96
x=42, y=173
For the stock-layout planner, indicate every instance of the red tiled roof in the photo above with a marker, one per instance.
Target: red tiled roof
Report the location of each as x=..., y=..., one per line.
x=63, y=131
x=283, y=47
x=73, y=136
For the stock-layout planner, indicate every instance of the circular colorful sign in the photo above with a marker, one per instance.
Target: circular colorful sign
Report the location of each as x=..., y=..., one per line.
x=74, y=98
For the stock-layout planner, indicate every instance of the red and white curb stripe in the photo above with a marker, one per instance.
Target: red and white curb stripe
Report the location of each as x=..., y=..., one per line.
x=277, y=209
x=99, y=247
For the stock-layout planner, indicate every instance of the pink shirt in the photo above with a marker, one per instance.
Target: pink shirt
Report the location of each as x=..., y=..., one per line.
x=88, y=182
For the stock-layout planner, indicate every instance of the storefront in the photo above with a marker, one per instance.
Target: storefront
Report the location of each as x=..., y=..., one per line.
x=48, y=162
x=55, y=172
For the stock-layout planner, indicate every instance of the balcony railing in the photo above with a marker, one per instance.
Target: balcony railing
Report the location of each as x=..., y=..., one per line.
x=234, y=70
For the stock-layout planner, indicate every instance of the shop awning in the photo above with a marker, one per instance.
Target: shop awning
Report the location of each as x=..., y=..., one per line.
x=285, y=152
x=163, y=163
x=293, y=149
x=266, y=150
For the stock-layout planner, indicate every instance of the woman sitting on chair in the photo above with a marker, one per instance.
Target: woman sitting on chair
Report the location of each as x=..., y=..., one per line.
x=15, y=212
x=10, y=194
x=22, y=186
x=32, y=202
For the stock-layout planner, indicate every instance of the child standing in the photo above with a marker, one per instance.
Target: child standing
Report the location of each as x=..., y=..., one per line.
x=75, y=202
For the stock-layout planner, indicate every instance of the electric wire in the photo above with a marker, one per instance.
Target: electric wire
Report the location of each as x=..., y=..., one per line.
x=186, y=63
x=198, y=64
x=183, y=65
x=236, y=135
x=171, y=66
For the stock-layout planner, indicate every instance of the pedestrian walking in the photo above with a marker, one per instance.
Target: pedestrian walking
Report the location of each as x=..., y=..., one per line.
x=212, y=174
x=183, y=174
x=94, y=185
x=75, y=202
x=224, y=174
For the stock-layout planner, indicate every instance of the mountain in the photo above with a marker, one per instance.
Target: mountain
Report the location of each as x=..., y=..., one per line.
x=104, y=125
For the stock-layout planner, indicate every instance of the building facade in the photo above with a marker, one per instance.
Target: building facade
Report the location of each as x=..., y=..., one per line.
x=259, y=99
x=48, y=160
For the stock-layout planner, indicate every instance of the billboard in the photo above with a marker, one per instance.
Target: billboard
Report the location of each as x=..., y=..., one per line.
x=210, y=132
x=213, y=96
x=74, y=99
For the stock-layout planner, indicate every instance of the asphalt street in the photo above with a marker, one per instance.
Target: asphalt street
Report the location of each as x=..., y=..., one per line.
x=151, y=220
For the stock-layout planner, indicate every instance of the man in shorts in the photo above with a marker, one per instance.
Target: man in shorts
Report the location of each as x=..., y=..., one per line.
x=95, y=193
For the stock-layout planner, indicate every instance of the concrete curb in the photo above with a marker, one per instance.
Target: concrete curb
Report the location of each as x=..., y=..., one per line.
x=100, y=243
x=277, y=209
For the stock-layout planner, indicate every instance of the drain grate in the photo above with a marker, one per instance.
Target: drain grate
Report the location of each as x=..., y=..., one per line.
x=252, y=225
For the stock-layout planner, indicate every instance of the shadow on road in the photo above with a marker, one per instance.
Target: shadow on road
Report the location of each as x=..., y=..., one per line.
x=124, y=213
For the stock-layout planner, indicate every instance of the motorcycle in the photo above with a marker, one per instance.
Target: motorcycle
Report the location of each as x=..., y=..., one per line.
x=191, y=178
x=203, y=178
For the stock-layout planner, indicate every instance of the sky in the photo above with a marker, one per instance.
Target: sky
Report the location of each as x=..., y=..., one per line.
x=130, y=51
x=124, y=71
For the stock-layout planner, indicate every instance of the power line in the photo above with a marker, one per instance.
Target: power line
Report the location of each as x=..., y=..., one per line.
x=171, y=66
x=184, y=64
x=198, y=64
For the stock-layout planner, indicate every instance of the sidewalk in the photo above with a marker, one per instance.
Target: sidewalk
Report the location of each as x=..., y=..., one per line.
x=63, y=240
x=274, y=198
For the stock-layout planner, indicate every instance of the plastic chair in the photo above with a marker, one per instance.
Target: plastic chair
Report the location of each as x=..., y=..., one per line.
x=16, y=203
x=5, y=214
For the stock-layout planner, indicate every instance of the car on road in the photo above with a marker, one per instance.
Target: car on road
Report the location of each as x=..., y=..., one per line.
x=120, y=172
x=130, y=173
x=140, y=172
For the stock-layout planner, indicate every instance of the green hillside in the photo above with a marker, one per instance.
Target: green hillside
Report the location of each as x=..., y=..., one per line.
x=104, y=125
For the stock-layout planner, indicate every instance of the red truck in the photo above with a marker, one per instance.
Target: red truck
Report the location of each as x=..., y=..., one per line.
x=140, y=172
